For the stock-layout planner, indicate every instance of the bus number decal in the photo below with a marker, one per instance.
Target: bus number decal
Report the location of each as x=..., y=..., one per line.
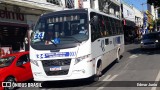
x=56, y=54
x=39, y=35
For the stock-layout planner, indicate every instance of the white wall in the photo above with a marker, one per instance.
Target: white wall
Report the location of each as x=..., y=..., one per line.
x=128, y=13
x=31, y=20
x=39, y=4
x=118, y=2
x=153, y=11
x=86, y=4
x=138, y=14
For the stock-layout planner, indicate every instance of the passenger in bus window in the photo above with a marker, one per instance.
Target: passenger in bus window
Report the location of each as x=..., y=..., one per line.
x=102, y=29
x=83, y=30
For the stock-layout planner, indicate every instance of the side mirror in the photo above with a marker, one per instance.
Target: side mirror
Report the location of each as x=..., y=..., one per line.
x=19, y=63
x=94, y=20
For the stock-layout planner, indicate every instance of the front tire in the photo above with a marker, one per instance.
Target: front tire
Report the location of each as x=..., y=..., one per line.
x=95, y=78
x=12, y=80
x=118, y=57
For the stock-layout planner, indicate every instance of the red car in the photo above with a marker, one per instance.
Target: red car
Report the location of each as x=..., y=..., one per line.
x=15, y=68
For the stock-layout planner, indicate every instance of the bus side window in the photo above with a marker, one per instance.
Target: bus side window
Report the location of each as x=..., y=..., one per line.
x=95, y=32
x=113, y=26
x=106, y=24
x=109, y=26
x=118, y=26
x=121, y=28
x=101, y=26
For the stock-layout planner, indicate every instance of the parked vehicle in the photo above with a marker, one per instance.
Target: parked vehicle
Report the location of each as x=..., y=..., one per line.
x=151, y=40
x=15, y=68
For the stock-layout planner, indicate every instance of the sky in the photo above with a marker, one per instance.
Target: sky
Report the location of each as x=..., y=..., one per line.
x=137, y=4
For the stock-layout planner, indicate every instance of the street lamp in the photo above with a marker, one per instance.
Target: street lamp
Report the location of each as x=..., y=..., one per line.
x=156, y=17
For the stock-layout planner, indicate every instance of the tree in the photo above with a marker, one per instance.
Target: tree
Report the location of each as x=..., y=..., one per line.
x=156, y=3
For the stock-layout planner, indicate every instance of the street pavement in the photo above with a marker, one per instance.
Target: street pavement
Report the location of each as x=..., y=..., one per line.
x=136, y=69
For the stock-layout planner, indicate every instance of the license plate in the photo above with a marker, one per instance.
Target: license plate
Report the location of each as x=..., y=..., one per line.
x=55, y=68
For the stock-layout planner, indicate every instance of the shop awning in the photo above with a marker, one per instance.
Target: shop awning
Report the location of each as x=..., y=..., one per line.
x=33, y=4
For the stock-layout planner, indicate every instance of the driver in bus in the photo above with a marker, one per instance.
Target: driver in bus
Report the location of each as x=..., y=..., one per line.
x=49, y=35
x=83, y=30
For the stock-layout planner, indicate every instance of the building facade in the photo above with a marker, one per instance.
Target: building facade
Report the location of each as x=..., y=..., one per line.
x=112, y=7
x=138, y=21
x=152, y=11
x=19, y=16
x=149, y=21
x=128, y=16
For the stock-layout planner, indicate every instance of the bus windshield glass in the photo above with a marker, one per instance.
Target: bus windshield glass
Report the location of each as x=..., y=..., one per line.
x=60, y=29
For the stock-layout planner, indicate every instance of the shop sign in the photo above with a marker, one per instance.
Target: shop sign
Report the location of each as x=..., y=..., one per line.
x=10, y=16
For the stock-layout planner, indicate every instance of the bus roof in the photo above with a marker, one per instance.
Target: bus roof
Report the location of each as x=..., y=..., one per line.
x=77, y=10
x=63, y=12
x=102, y=13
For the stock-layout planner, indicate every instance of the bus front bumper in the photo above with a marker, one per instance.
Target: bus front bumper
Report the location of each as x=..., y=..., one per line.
x=77, y=74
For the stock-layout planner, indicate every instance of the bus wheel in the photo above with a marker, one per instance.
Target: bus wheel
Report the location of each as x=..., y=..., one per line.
x=98, y=72
x=118, y=56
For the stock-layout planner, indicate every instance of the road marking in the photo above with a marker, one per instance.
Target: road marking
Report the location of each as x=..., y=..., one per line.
x=157, y=79
x=100, y=88
x=107, y=78
x=133, y=56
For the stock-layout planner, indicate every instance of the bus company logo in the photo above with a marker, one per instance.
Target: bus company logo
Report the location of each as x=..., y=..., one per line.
x=6, y=84
x=12, y=84
x=56, y=54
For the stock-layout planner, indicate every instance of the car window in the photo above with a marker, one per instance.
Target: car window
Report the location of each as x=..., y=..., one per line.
x=6, y=61
x=24, y=59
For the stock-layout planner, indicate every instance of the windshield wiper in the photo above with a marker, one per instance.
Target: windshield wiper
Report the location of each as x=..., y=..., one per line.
x=53, y=43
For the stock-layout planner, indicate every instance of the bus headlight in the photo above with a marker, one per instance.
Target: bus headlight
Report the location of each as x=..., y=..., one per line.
x=156, y=41
x=77, y=60
x=34, y=62
x=141, y=42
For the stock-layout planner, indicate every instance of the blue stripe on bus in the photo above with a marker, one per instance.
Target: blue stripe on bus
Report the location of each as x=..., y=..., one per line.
x=56, y=54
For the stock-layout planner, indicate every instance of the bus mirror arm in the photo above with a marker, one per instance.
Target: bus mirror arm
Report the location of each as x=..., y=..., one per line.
x=94, y=20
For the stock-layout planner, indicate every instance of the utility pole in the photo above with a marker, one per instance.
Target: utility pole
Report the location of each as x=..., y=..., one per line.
x=144, y=21
x=155, y=11
x=155, y=20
